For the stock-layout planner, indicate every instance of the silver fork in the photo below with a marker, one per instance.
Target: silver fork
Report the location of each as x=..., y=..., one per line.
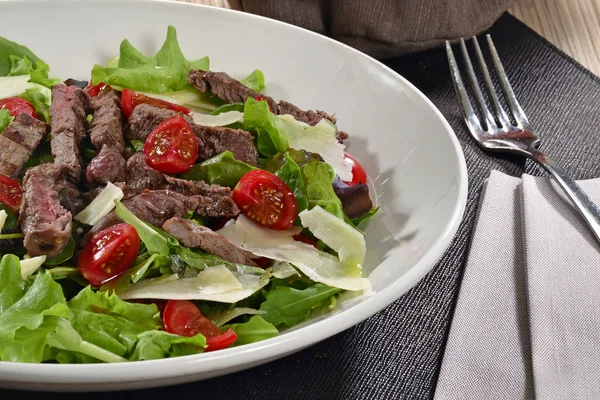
x=501, y=135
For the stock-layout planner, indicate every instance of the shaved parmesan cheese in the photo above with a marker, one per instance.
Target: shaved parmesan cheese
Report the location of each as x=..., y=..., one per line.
x=30, y=265
x=226, y=118
x=3, y=216
x=280, y=245
x=337, y=234
x=320, y=139
x=216, y=283
x=101, y=206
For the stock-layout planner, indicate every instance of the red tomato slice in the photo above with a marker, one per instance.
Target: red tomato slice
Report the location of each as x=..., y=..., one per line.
x=358, y=172
x=17, y=106
x=182, y=317
x=10, y=193
x=266, y=199
x=171, y=147
x=130, y=99
x=109, y=253
x=222, y=341
x=94, y=90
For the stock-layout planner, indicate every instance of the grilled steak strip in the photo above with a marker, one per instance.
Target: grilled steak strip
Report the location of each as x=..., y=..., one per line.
x=18, y=141
x=212, y=140
x=45, y=223
x=191, y=234
x=151, y=206
x=106, y=133
x=213, y=200
x=106, y=129
x=68, y=116
x=233, y=91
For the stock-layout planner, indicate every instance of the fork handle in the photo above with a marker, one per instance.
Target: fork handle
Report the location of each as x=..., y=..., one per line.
x=587, y=208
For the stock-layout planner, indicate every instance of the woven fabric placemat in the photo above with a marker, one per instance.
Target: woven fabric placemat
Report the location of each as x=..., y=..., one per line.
x=396, y=354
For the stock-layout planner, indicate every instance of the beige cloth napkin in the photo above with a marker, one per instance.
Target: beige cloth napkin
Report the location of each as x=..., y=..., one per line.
x=527, y=318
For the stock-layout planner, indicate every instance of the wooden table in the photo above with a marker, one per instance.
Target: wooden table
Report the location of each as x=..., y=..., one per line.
x=571, y=25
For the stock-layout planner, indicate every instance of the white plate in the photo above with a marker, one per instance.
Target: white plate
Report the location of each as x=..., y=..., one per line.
x=415, y=163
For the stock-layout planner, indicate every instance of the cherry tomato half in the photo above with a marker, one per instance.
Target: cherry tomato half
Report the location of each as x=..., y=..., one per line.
x=222, y=341
x=109, y=253
x=171, y=147
x=130, y=99
x=266, y=199
x=94, y=90
x=17, y=106
x=10, y=193
x=182, y=317
x=358, y=172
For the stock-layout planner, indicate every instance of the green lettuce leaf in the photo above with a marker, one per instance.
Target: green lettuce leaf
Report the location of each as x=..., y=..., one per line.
x=40, y=98
x=255, y=330
x=11, y=219
x=38, y=73
x=153, y=345
x=357, y=221
x=222, y=169
x=7, y=49
x=291, y=174
x=34, y=319
x=64, y=255
x=318, y=177
x=289, y=306
x=5, y=119
x=107, y=321
x=255, y=81
x=166, y=71
x=155, y=240
x=258, y=118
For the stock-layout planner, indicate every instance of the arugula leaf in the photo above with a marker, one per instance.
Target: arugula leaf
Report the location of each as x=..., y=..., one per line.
x=289, y=306
x=164, y=72
x=222, y=169
x=255, y=81
x=7, y=49
x=38, y=74
x=258, y=118
x=318, y=177
x=155, y=240
x=357, y=221
x=64, y=255
x=228, y=107
x=291, y=174
x=153, y=345
x=255, y=330
x=5, y=118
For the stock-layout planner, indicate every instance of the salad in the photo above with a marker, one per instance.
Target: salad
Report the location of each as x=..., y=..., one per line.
x=163, y=209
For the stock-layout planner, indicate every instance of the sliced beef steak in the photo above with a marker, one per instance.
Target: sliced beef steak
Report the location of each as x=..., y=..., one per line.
x=152, y=206
x=68, y=116
x=106, y=133
x=191, y=234
x=45, y=223
x=213, y=200
x=18, y=141
x=212, y=140
x=106, y=129
x=225, y=87
x=108, y=166
x=233, y=91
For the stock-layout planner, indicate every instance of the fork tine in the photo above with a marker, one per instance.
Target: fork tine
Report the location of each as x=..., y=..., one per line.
x=470, y=117
x=500, y=113
x=514, y=105
x=487, y=115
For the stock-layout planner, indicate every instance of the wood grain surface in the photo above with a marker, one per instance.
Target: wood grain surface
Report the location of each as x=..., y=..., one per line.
x=571, y=25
